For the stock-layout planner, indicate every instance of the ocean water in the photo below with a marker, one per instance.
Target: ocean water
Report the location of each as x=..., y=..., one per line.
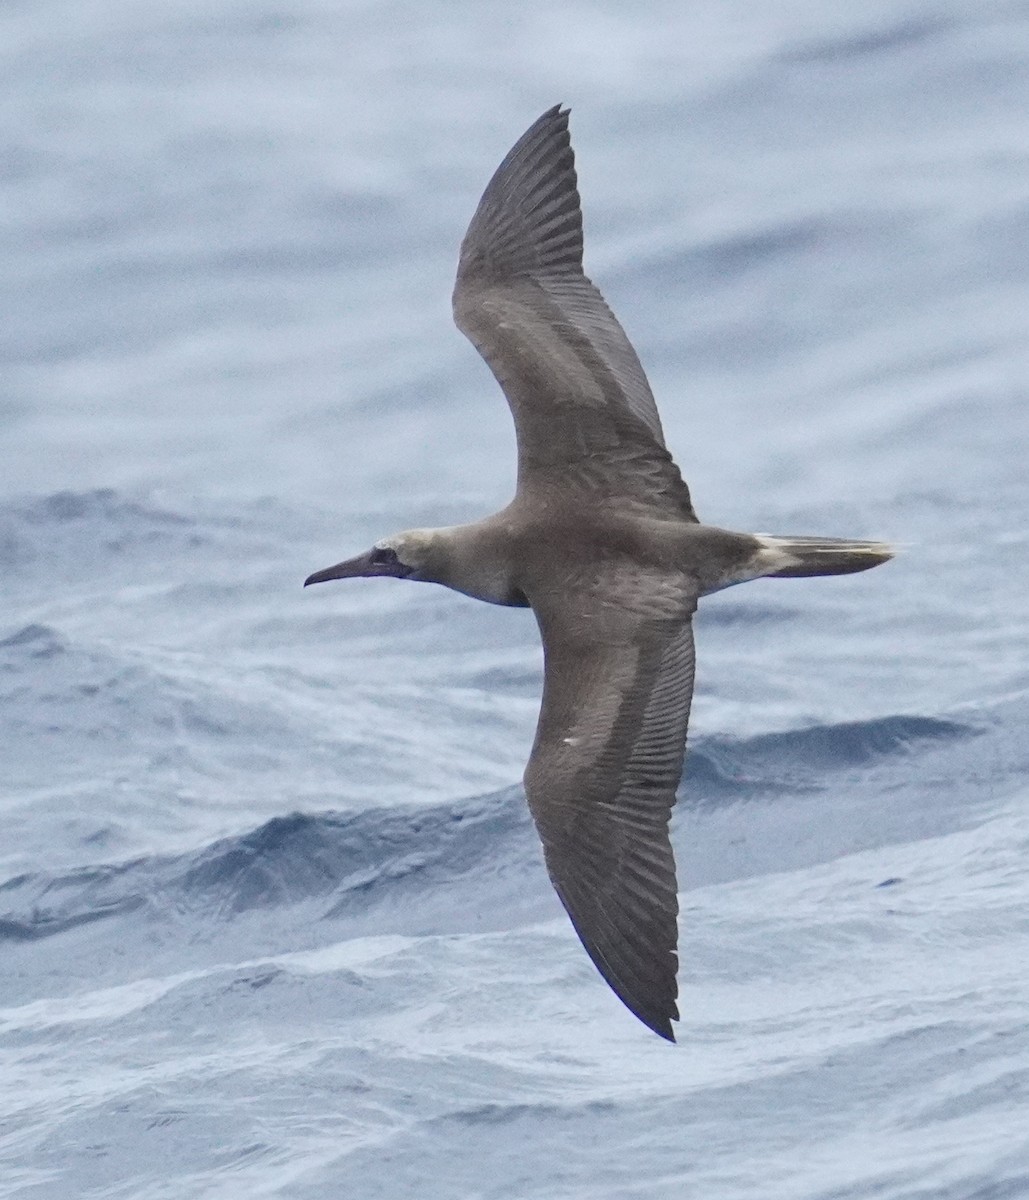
x=273, y=918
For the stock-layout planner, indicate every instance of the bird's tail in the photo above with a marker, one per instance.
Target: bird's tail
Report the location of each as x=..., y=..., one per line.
x=823, y=555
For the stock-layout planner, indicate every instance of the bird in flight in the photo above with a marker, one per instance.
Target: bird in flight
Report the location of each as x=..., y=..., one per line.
x=602, y=543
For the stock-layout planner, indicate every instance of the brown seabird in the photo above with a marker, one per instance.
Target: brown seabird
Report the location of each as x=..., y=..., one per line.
x=602, y=542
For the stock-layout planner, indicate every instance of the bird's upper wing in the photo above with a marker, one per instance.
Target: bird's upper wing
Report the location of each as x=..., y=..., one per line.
x=602, y=777
x=581, y=402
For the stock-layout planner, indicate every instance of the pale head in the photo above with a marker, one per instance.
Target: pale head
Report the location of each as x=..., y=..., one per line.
x=414, y=554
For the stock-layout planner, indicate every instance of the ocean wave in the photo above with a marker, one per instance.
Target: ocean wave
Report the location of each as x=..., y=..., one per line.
x=807, y=759
x=880, y=39
x=353, y=864
x=97, y=694
x=72, y=532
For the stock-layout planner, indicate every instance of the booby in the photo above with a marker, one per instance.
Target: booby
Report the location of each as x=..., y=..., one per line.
x=601, y=541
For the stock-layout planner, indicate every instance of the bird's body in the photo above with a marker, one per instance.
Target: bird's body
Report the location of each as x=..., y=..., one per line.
x=602, y=542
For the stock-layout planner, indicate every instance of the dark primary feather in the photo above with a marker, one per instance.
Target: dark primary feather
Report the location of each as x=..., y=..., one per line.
x=601, y=784
x=580, y=399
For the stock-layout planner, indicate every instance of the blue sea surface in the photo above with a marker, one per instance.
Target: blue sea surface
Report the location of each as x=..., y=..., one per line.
x=273, y=916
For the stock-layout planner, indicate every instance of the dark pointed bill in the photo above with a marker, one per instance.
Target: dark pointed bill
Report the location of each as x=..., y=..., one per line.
x=353, y=568
x=378, y=561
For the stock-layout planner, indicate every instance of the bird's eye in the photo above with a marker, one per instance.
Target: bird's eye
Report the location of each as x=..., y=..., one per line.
x=383, y=556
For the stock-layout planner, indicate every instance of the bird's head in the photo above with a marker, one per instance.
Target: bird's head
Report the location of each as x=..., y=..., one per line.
x=410, y=555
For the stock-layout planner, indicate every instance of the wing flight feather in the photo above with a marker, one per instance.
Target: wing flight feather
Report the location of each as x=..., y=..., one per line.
x=580, y=398
x=601, y=785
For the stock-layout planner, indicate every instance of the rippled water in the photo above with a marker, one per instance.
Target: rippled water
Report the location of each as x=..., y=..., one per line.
x=273, y=920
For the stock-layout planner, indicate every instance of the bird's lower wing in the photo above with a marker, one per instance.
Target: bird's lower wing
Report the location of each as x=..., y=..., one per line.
x=601, y=784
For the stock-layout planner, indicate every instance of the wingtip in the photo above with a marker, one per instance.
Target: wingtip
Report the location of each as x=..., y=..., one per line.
x=557, y=116
x=529, y=219
x=658, y=1022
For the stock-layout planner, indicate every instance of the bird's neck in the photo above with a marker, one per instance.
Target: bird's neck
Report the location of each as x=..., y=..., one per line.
x=478, y=560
